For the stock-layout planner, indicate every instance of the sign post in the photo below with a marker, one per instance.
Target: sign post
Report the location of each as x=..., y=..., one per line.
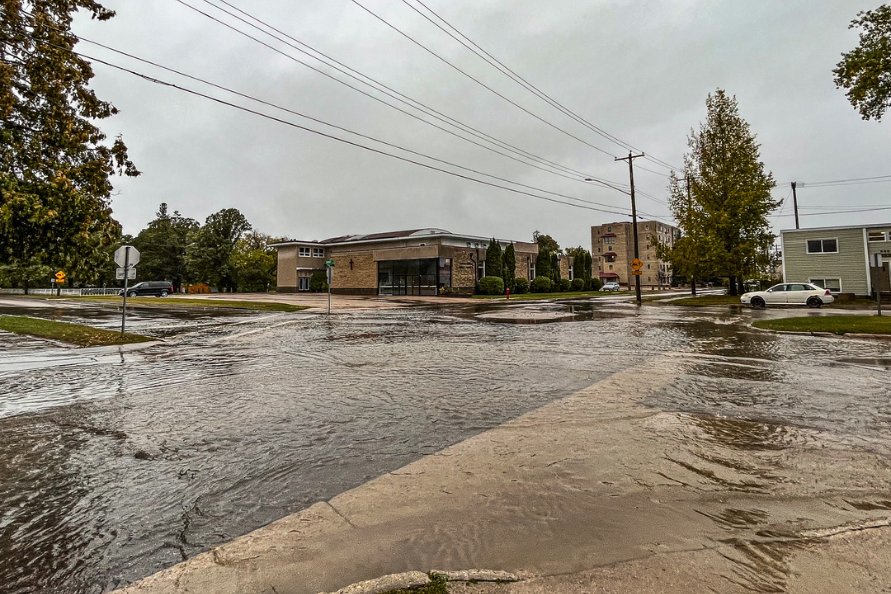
x=59, y=281
x=126, y=256
x=329, y=266
x=877, y=281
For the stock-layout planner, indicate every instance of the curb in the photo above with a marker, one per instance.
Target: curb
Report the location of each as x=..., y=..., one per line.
x=849, y=335
x=414, y=579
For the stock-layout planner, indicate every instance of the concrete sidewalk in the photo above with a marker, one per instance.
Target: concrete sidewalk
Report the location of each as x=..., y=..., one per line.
x=591, y=493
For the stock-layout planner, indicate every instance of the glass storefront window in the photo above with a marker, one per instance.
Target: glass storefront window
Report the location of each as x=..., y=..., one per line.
x=410, y=277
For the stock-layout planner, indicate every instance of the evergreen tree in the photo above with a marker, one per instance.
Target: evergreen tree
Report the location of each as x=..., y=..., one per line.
x=210, y=254
x=54, y=163
x=725, y=216
x=555, y=268
x=509, y=267
x=543, y=263
x=162, y=246
x=493, y=259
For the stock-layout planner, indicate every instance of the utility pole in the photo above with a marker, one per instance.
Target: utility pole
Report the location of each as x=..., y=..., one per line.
x=630, y=158
x=689, y=224
x=795, y=203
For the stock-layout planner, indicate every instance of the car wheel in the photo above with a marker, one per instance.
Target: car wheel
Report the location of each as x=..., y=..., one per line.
x=758, y=303
x=163, y=293
x=131, y=294
x=814, y=302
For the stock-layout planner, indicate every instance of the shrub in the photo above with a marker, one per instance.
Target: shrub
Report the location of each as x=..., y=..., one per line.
x=595, y=284
x=542, y=284
x=565, y=284
x=521, y=285
x=318, y=282
x=578, y=284
x=491, y=285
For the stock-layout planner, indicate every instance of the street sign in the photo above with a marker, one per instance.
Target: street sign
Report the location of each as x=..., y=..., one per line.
x=636, y=272
x=329, y=263
x=119, y=273
x=121, y=259
x=636, y=264
x=60, y=277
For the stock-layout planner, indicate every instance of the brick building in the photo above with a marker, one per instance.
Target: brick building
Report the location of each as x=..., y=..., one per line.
x=413, y=262
x=612, y=249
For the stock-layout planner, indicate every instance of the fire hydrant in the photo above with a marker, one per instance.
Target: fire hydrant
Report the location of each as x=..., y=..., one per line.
x=507, y=291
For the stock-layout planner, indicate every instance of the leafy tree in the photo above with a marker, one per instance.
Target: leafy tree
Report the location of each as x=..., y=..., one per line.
x=581, y=264
x=163, y=245
x=210, y=254
x=254, y=262
x=726, y=215
x=493, y=259
x=318, y=282
x=54, y=163
x=509, y=267
x=865, y=71
x=545, y=242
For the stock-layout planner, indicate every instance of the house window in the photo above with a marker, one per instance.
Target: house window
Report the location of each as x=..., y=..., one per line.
x=833, y=284
x=878, y=236
x=822, y=246
x=318, y=252
x=303, y=252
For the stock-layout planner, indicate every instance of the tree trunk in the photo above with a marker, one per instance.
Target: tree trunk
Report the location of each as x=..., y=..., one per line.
x=731, y=289
x=693, y=287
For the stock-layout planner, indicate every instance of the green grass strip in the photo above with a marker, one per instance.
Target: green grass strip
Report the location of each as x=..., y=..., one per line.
x=703, y=301
x=67, y=332
x=563, y=295
x=833, y=324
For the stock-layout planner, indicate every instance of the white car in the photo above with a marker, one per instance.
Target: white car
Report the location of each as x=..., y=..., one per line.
x=611, y=286
x=789, y=294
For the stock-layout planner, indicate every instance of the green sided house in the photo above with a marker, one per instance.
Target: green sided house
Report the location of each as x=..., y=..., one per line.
x=412, y=262
x=841, y=259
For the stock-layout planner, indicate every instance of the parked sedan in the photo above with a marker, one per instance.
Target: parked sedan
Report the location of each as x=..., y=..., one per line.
x=611, y=286
x=789, y=294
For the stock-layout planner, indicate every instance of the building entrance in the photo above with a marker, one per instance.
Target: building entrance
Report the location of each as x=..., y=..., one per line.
x=408, y=277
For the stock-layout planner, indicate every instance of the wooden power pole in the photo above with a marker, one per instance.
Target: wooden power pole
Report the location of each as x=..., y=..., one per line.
x=630, y=158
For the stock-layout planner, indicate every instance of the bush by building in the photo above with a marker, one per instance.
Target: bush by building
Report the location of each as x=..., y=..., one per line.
x=578, y=284
x=595, y=284
x=318, y=282
x=542, y=284
x=565, y=284
x=521, y=285
x=491, y=285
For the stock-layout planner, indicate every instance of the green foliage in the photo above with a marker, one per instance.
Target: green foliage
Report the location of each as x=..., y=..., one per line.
x=555, y=269
x=865, y=71
x=724, y=216
x=163, y=245
x=493, y=259
x=565, y=284
x=24, y=275
x=492, y=285
x=521, y=285
x=67, y=332
x=254, y=262
x=545, y=242
x=318, y=282
x=509, y=267
x=54, y=163
x=594, y=284
x=578, y=284
x=210, y=256
x=543, y=263
x=542, y=284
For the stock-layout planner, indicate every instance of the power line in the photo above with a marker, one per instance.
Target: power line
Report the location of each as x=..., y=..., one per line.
x=819, y=214
x=476, y=80
x=168, y=84
x=507, y=71
x=849, y=181
x=348, y=71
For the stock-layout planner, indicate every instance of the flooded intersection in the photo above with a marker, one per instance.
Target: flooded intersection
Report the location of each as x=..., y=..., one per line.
x=116, y=464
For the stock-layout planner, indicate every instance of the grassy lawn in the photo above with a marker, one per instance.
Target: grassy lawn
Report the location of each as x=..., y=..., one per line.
x=67, y=332
x=703, y=300
x=834, y=324
x=192, y=303
x=557, y=295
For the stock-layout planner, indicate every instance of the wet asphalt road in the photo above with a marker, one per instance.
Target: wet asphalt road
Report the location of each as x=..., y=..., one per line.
x=114, y=464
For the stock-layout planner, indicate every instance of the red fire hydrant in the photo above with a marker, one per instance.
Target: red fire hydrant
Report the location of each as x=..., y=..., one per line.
x=507, y=291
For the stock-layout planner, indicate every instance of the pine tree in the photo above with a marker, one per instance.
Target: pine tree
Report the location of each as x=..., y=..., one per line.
x=725, y=218
x=543, y=263
x=509, y=267
x=54, y=164
x=493, y=259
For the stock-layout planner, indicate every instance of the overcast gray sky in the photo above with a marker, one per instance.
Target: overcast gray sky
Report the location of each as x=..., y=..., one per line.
x=638, y=70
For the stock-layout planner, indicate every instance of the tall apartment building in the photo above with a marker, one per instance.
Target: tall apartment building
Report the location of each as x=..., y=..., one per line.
x=612, y=247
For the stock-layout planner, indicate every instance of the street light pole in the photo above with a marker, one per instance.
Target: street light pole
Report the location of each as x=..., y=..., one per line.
x=630, y=158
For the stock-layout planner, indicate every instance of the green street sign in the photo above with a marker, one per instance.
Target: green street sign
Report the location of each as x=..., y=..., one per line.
x=329, y=263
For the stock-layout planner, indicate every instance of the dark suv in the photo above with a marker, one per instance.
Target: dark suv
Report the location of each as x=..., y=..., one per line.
x=156, y=288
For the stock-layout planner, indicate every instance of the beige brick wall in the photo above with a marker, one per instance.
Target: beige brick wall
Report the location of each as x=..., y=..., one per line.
x=286, y=269
x=623, y=245
x=464, y=270
x=362, y=277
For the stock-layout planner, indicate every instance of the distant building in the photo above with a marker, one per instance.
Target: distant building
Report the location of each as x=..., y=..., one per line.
x=612, y=249
x=412, y=262
x=840, y=259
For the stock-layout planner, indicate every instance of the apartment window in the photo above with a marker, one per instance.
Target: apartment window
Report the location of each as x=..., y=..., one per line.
x=481, y=269
x=822, y=246
x=610, y=266
x=318, y=252
x=609, y=229
x=833, y=284
x=304, y=252
x=531, y=269
x=570, y=272
x=879, y=236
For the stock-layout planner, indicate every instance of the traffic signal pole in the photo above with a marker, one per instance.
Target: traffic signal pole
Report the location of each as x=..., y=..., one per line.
x=630, y=158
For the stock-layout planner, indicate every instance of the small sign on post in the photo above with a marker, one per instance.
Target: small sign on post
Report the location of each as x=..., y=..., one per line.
x=877, y=282
x=329, y=266
x=126, y=257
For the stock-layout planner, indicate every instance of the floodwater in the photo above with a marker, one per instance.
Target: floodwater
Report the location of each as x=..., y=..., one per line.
x=115, y=463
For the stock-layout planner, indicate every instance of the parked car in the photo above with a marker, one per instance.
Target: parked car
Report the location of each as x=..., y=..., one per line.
x=611, y=286
x=789, y=294
x=156, y=288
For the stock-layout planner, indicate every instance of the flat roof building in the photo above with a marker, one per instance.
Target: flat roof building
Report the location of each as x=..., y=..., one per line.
x=612, y=249
x=411, y=262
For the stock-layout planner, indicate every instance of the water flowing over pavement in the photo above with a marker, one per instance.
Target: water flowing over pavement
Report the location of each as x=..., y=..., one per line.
x=116, y=463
